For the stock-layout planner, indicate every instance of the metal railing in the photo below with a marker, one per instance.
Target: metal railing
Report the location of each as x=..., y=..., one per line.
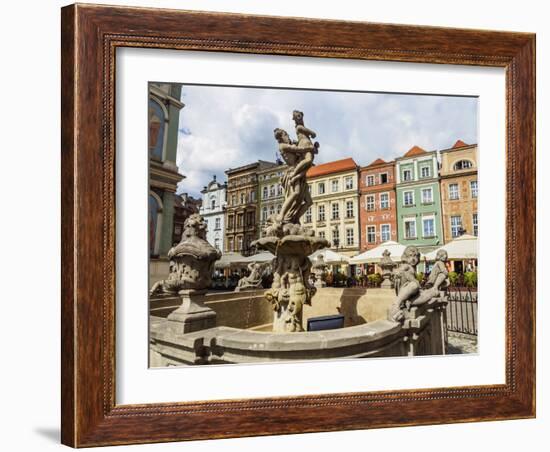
x=462, y=310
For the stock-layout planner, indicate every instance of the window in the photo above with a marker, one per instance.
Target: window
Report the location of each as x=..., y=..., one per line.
x=350, y=237
x=407, y=175
x=206, y=224
x=425, y=171
x=279, y=189
x=336, y=237
x=251, y=218
x=410, y=228
x=233, y=200
x=474, y=223
x=428, y=227
x=383, y=178
x=349, y=209
x=242, y=198
x=408, y=198
x=370, y=180
x=252, y=196
x=239, y=221
x=218, y=223
x=335, y=211
x=322, y=234
x=239, y=244
x=217, y=243
x=384, y=200
x=427, y=196
x=473, y=188
x=462, y=164
x=456, y=226
x=157, y=121
x=370, y=202
x=230, y=221
x=321, y=188
x=154, y=210
x=230, y=245
x=272, y=190
x=279, y=207
x=264, y=192
x=321, y=213
x=213, y=203
x=371, y=234
x=453, y=191
x=264, y=213
x=271, y=209
x=385, y=232
x=334, y=185
x=349, y=183
x=308, y=215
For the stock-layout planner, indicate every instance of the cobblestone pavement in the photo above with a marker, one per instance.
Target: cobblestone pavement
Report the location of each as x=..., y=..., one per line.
x=459, y=344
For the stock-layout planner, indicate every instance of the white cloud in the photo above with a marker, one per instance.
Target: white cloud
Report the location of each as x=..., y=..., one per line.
x=223, y=127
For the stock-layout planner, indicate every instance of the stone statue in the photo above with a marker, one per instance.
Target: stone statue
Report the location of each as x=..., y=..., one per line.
x=319, y=270
x=409, y=292
x=387, y=265
x=254, y=278
x=286, y=238
x=192, y=263
x=407, y=286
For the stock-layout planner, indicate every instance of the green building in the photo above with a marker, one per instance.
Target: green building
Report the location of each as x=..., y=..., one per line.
x=164, y=112
x=418, y=200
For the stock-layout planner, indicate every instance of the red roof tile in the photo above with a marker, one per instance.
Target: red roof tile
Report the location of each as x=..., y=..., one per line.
x=337, y=166
x=415, y=150
x=459, y=144
x=377, y=162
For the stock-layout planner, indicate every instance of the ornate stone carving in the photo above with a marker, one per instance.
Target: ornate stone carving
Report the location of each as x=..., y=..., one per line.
x=409, y=292
x=319, y=270
x=387, y=265
x=191, y=266
x=286, y=238
x=254, y=278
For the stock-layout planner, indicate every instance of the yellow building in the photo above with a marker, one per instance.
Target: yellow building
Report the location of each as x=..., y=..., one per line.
x=459, y=190
x=334, y=214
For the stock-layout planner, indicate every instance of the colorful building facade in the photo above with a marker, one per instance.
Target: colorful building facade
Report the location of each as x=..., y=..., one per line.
x=334, y=214
x=377, y=207
x=241, y=215
x=270, y=193
x=214, y=201
x=459, y=190
x=419, y=219
x=164, y=110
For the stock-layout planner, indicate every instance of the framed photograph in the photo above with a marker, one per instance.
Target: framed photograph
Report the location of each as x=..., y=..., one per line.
x=281, y=225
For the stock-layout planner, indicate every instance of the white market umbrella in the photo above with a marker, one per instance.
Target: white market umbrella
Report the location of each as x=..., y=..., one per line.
x=330, y=257
x=463, y=247
x=260, y=258
x=374, y=255
x=229, y=259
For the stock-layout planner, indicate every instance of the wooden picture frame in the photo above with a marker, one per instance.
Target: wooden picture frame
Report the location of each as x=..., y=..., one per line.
x=90, y=36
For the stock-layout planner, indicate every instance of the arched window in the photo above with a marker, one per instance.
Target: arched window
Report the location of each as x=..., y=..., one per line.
x=264, y=213
x=264, y=192
x=155, y=211
x=213, y=203
x=463, y=164
x=157, y=126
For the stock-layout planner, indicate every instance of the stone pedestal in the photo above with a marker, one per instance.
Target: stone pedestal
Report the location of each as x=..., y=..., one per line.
x=192, y=315
x=386, y=284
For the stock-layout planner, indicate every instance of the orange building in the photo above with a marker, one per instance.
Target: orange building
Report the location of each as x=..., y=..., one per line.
x=459, y=190
x=377, y=209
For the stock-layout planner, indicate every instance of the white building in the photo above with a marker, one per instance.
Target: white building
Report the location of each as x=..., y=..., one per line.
x=212, y=210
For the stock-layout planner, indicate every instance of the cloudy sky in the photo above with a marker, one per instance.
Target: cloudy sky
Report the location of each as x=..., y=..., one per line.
x=223, y=127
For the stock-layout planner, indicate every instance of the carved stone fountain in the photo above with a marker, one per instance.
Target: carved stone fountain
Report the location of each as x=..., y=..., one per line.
x=286, y=238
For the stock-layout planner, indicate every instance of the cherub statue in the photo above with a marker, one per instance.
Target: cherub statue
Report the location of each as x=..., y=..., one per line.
x=439, y=276
x=407, y=286
x=254, y=278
